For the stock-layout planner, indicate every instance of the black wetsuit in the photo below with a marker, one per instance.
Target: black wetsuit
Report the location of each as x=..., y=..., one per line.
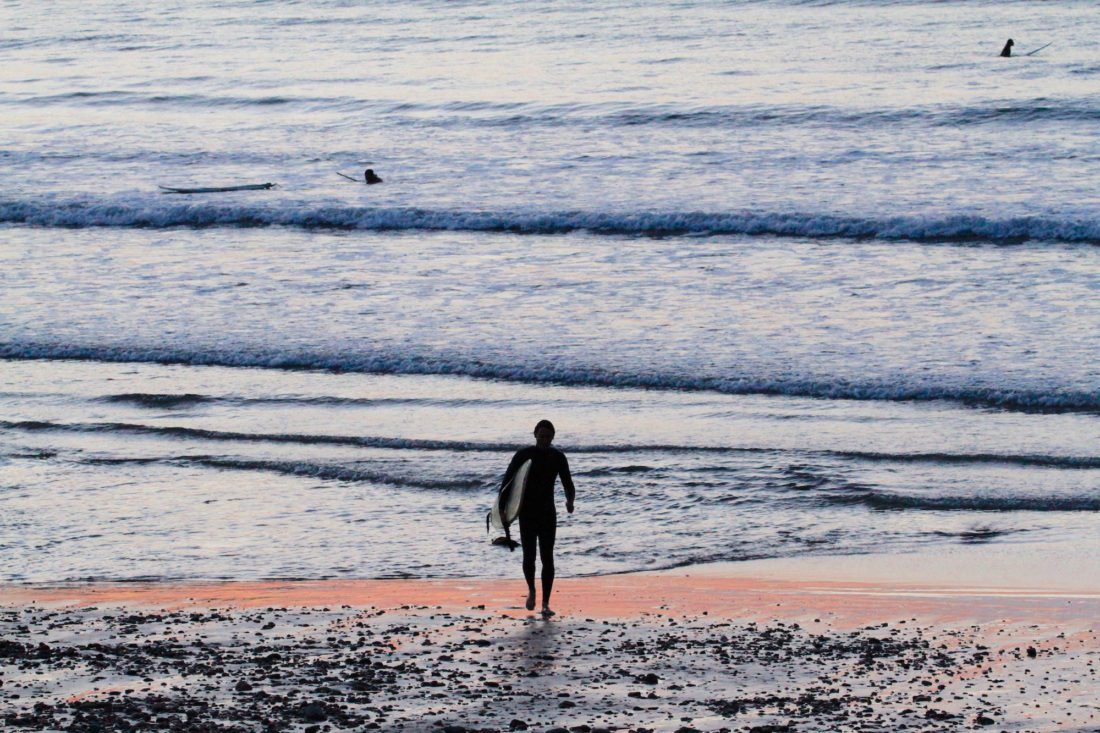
x=538, y=518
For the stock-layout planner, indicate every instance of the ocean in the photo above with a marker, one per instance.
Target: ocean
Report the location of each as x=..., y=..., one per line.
x=790, y=278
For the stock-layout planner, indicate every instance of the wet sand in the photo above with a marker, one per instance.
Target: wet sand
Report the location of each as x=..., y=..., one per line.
x=748, y=647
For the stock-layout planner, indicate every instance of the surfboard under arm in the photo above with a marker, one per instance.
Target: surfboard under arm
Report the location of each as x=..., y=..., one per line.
x=509, y=499
x=219, y=189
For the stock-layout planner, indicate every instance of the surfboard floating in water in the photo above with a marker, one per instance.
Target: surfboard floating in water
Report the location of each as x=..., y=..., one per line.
x=1032, y=53
x=219, y=189
x=506, y=508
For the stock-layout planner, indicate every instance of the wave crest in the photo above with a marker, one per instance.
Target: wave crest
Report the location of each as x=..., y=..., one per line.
x=158, y=401
x=326, y=472
x=886, y=502
x=809, y=478
x=199, y=215
x=976, y=395
x=484, y=113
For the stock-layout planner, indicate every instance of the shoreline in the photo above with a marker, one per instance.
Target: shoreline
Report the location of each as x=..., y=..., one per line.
x=606, y=596
x=939, y=577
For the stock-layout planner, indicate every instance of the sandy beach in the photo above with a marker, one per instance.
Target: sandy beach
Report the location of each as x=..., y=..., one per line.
x=751, y=647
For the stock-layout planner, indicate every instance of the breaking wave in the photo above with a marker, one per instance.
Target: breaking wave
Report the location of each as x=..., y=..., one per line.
x=339, y=473
x=814, y=481
x=227, y=435
x=1030, y=460
x=458, y=113
x=77, y=214
x=162, y=401
x=886, y=501
x=349, y=440
x=1056, y=400
x=159, y=401
x=305, y=469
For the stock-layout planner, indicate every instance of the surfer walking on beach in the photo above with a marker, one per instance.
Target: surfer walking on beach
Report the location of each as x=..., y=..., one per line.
x=538, y=517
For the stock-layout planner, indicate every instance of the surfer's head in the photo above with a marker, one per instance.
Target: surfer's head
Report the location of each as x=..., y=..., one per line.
x=370, y=176
x=544, y=433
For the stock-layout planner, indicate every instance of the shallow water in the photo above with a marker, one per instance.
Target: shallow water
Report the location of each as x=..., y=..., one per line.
x=150, y=471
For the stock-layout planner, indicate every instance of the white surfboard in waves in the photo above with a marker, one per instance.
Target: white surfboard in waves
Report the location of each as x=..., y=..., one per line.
x=508, y=502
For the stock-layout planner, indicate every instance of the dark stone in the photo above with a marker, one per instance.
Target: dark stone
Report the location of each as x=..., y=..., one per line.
x=728, y=707
x=313, y=712
x=517, y=724
x=242, y=686
x=12, y=649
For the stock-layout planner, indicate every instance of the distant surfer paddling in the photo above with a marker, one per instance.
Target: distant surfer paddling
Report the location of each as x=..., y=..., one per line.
x=369, y=177
x=538, y=518
x=1006, y=52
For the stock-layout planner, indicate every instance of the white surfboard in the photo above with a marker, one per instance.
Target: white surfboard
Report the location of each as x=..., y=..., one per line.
x=508, y=502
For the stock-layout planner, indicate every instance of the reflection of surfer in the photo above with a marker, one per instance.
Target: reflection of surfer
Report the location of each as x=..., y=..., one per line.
x=538, y=519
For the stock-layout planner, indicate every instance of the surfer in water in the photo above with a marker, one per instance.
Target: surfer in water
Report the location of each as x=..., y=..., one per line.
x=1006, y=52
x=370, y=177
x=538, y=518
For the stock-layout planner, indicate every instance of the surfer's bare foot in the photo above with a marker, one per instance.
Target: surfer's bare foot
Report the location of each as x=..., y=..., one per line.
x=547, y=612
x=531, y=601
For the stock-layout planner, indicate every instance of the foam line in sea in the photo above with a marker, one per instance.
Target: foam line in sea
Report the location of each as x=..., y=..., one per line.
x=144, y=214
x=459, y=113
x=308, y=469
x=184, y=433
x=899, y=502
x=1052, y=400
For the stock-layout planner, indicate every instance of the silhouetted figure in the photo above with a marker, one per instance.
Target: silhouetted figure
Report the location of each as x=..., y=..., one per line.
x=538, y=518
x=1007, y=50
x=370, y=177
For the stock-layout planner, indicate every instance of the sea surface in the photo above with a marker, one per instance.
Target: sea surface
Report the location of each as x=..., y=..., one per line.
x=791, y=278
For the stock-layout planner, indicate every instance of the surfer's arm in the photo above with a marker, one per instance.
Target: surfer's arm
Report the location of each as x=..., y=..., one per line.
x=567, y=483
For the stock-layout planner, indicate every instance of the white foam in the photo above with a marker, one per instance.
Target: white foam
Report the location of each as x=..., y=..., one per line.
x=400, y=362
x=127, y=213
